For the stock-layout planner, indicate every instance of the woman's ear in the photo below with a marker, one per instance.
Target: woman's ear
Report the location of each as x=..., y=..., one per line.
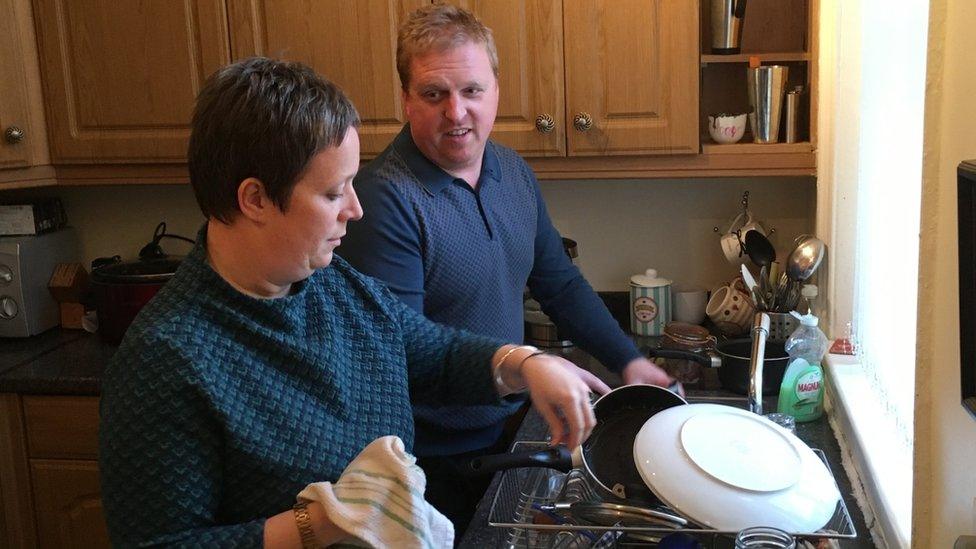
x=252, y=199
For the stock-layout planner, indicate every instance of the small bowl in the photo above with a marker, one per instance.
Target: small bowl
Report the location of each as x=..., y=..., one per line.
x=727, y=128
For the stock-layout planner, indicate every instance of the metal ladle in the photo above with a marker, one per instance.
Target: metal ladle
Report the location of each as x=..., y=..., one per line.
x=806, y=257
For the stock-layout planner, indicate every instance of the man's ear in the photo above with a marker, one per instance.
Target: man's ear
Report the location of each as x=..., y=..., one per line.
x=404, y=95
x=253, y=201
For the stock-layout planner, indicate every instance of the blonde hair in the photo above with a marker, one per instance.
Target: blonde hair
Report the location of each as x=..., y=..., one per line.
x=439, y=27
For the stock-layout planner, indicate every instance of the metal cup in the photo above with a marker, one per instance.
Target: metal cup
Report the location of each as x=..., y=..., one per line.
x=726, y=18
x=766, y=85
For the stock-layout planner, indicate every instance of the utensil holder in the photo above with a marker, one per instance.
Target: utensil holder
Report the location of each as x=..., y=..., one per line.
x=781, y=325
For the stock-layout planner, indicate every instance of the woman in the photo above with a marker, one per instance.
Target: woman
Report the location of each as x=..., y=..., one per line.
x=267, y=363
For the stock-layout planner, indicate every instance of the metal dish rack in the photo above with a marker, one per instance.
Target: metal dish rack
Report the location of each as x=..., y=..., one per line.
x=521, y=493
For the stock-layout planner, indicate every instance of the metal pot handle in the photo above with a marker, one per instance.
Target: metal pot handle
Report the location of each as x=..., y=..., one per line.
x=558, y=457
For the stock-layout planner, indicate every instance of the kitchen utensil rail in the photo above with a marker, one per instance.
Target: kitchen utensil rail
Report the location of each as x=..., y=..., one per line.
x=521, y=492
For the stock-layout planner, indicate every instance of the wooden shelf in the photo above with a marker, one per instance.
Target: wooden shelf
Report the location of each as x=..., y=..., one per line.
x=757, y=148
x=763, y=57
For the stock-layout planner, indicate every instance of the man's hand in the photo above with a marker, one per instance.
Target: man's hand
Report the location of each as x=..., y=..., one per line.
x=642, y=370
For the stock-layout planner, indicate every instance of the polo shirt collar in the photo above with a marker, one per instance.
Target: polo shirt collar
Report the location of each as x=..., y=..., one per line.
x=430, y=175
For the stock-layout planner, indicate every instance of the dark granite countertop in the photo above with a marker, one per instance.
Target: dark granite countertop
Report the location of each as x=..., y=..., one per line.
x=57, y=362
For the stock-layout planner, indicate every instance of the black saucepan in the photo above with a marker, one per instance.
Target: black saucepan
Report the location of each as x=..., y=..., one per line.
x=607, y=456
x=732, y=358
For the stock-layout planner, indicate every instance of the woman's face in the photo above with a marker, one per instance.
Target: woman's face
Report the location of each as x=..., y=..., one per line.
x=314, y=221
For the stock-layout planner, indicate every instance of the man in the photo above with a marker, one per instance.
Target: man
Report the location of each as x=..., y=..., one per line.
x=456, y=226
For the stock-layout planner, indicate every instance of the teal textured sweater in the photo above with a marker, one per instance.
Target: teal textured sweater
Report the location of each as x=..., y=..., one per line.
x=218, y=408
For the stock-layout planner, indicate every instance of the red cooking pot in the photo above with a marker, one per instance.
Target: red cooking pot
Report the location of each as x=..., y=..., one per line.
x=121, y=289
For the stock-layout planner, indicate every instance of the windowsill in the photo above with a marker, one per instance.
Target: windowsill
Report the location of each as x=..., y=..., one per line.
x=881, y=462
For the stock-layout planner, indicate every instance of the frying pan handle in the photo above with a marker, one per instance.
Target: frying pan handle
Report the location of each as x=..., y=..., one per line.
x=558, y=457
x=706, y=359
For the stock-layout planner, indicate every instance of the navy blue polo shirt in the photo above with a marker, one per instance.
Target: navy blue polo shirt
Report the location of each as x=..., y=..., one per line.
x=463, y=256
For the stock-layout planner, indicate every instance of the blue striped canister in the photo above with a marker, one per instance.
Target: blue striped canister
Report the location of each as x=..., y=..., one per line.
x=650, y=303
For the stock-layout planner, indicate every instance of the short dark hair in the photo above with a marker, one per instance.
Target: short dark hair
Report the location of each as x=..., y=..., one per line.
x=265, y=119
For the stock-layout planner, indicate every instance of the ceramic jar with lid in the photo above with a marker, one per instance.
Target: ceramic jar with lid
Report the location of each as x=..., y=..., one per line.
x=685, y=337
x=650, y=303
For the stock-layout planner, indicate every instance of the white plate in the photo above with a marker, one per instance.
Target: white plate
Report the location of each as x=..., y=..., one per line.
x=729, y=469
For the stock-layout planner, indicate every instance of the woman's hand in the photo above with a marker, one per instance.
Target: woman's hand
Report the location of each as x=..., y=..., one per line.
x=560, y=390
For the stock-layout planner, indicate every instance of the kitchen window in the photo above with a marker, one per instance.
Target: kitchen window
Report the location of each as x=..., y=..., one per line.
x=873, y=77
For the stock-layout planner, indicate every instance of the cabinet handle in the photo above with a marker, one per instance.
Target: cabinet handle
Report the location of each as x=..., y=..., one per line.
x=544, y=123
x=14, y=135
x=582, y=122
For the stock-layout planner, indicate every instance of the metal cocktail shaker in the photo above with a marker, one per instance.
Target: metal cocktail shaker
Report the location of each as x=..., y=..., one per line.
x=727, y=25
x=766, y=84
x=792, y=116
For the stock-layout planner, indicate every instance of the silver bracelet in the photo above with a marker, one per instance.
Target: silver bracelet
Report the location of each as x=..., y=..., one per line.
x=496, y=373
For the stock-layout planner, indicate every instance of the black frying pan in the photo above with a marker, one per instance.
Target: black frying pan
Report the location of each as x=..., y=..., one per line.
x=607, y=456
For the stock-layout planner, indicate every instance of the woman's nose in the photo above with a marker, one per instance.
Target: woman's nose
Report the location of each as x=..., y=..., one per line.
x=353, y=209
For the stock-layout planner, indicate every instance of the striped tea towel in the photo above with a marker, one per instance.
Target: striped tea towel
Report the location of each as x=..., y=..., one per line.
x=379, y=500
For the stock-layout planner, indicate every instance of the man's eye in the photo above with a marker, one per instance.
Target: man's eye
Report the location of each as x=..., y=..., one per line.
x=334, y=196
x=433, y=94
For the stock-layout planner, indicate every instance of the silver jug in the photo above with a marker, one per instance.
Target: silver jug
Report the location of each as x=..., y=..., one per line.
x=727, y=18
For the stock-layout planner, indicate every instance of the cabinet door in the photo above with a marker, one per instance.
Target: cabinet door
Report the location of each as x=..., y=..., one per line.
x=351, y=43
x=632, y=67
x=22, y=139
x=68, y=504
x=529, y=38
x=120, y=78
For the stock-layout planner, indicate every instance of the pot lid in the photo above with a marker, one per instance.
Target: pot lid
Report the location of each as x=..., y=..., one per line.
x=137, y=272
x=649, y=279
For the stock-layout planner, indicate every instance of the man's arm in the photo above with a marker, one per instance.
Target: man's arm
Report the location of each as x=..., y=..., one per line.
x=572, y=304
x=385, y=243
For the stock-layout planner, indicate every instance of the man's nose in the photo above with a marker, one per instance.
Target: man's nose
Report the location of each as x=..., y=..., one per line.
x=454, y=108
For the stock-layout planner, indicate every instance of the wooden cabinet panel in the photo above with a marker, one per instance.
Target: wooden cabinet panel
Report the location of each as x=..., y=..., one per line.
x=16, y=499
x=529, y=38
x=120, y=78
x=351, y=43
x=68, y=504
x=20, y=93
x=632, y=66
x=61, y=426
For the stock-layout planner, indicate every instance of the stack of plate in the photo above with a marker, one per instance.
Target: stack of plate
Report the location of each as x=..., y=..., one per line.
x=729, y=469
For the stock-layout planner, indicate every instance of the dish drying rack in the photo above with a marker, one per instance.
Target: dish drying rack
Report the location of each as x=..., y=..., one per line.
x=524, y=493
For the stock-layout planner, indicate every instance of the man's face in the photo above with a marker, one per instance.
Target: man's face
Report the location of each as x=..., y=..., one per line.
x=451, y=103
x=321, y=204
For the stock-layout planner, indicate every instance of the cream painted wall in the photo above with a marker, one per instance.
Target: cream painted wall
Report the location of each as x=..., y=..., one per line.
x=945, y=434
x=622, y=227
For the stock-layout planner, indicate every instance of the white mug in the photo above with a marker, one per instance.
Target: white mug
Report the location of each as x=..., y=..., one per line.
x=733, y=239
x=689, y=305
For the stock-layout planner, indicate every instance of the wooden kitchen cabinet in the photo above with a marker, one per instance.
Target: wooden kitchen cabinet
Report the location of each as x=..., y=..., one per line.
x=776, y=32
x=615, y=77
x=68, y=504
x=351, y=43
x=23, y=140
x=49, y=485
x=120, y=78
